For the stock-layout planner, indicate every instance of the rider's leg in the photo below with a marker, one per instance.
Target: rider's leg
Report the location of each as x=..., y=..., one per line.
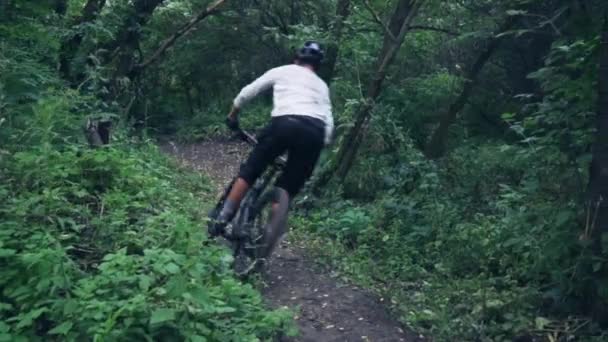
x=303, y=155
x=238, y=191
x=231, y=205
x=280, y=206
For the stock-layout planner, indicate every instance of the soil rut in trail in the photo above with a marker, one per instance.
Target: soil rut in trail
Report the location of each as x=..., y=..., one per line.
x=326, y=310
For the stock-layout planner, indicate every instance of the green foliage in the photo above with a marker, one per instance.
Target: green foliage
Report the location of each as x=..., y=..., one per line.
x=494, y=241
x=108, y=243
x=489, y=243
x=468, y=249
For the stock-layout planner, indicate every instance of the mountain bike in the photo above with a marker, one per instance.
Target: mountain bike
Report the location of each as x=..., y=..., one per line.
x=260, y=220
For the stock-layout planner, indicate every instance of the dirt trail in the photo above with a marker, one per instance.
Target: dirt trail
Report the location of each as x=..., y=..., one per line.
x=326, y=309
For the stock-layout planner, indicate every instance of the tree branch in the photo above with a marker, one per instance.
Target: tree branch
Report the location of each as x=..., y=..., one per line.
x=432, y=28
x=437, y=144
x=277, y=20
x=182, y=31
x=378, y=20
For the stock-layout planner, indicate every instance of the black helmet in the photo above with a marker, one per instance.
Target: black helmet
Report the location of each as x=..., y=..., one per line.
x=310, y=53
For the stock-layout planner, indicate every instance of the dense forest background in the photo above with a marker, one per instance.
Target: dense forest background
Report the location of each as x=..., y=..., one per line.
x=467, y=180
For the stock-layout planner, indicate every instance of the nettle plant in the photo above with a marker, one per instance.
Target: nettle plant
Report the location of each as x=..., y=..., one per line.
x=106, y=244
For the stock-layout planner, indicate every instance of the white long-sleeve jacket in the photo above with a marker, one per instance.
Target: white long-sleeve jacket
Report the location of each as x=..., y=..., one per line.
x=296, y=91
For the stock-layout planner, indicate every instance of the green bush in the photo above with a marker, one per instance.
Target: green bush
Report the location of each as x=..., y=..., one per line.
x=108, y=244
x=472, y=248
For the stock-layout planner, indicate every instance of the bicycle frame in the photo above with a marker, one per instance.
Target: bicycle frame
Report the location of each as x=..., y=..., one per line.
x=245, y=213
x=243, y=216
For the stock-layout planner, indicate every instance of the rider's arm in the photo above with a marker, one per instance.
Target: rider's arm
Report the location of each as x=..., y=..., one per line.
x=234, y=113
x=264, y=82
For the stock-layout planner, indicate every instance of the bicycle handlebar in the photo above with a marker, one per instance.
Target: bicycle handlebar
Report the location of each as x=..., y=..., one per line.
x=247, y=137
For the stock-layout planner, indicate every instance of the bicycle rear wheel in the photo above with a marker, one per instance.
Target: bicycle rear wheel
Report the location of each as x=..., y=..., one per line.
x=259, y=223
x=268, y=222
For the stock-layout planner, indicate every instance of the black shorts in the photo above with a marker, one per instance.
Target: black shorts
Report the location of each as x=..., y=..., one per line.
x=302, y=137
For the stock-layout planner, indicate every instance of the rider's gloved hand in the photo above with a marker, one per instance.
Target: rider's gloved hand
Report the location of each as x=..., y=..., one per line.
x=232, y=123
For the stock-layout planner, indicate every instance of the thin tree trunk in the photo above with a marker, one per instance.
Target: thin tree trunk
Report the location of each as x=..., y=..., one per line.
x=437, y=145
x=97, y=132
x=332, y=50
x=399, y=26
x=70, y=46
x=295, y=12
x=598, y=173
x=189, y=100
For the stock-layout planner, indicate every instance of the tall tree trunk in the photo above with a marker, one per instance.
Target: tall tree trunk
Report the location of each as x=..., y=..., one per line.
x=130, y=35
x=4, y=10
x=398, y=27
x=598, y=173
x=437, y=145
x=61, y=7
x=342, y=13
x=69, y=47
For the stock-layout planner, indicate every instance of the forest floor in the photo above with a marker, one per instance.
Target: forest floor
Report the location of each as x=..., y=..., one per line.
x=326, y=308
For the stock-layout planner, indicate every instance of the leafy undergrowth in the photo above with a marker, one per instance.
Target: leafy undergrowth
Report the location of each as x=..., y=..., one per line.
x=102, y=244
x=107, y=244
x=436, y=303
x=482, y=247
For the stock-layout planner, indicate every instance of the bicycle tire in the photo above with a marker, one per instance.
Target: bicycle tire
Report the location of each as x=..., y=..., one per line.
x=266, y=225
x=249, y=237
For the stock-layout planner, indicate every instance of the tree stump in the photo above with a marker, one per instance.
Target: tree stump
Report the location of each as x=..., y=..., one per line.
x=97, y=132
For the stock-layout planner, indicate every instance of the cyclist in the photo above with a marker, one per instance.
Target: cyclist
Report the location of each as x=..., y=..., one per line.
x=301, y=124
